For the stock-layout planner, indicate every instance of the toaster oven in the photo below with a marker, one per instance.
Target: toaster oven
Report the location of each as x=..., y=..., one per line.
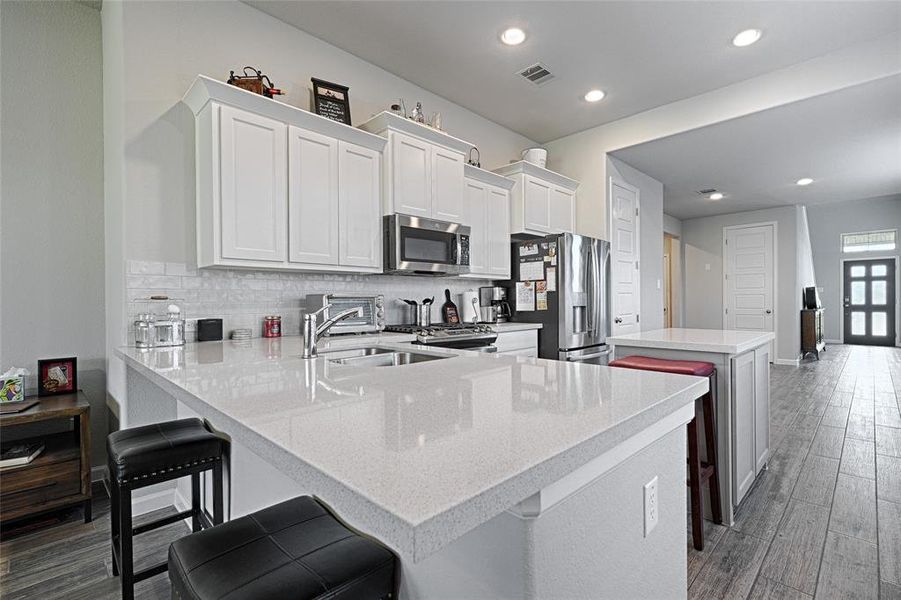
x=373, y=318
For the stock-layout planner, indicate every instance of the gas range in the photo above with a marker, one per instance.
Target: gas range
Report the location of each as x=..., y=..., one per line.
x=464, y=335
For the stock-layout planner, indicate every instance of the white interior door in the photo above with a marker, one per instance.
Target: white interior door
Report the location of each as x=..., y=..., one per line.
x=749, y=277
x=624, y=228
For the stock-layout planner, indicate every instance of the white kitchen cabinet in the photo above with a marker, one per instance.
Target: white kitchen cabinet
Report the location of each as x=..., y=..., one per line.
x=359, y=206
x=448, y=202
x=410, y=176
x=312, y=197
x=282, y=188
x=488, y=199
x=252, y=185
x=422, y=170
x=751, y=418
x=541, y=201
x=519, y=343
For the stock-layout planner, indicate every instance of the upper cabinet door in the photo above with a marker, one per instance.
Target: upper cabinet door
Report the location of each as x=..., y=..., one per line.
x=536, y=200
x=479, y=234
x=562, y=211
x=312, y=198
x=253, y=178
x=448, y=203
x=359, y=206
x=411, y=181
x=498, y=227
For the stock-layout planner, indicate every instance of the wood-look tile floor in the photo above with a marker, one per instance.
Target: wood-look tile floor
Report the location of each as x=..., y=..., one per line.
x=71, y=560
x=823, y=521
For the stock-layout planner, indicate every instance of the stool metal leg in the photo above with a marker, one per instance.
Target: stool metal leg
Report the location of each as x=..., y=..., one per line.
x=694, y=484
x=218, y=517
x=126, y=564
x=195, y=502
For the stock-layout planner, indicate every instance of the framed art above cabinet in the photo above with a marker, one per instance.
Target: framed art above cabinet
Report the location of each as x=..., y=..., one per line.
x=282, y=188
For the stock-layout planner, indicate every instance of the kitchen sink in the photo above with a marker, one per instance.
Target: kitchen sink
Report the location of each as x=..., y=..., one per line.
x=379, y=357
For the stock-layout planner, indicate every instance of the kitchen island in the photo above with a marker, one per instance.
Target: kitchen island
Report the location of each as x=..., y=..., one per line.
x=742, y=405
x=491, y=475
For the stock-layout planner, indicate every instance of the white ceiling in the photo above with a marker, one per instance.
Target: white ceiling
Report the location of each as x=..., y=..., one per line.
x=643, y=54
x=848, y=141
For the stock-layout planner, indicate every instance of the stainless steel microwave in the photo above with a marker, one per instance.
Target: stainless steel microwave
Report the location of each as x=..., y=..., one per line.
x=417, y=246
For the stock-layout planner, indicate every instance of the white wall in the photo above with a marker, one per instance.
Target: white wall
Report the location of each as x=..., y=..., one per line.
x=672, y=225
x=827, y=223
x=702, y=242
x=51, y=195
x=150, y=163
x=650, y=240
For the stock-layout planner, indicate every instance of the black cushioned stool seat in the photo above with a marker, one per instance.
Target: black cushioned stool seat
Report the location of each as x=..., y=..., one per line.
x=142, y=452
x=150, y=454
x=297, y=549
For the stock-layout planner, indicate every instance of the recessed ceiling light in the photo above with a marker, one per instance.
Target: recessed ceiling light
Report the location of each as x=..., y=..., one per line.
x=716, y=196
x=513, y=36
x=804, y=181
x=594, y=96
x=746, y=37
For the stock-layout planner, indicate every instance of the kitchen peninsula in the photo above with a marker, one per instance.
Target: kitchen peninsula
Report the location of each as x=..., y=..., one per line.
x=491, y=475
x=742, y=360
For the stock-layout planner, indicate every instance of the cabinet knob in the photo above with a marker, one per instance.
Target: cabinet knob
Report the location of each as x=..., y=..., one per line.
x=617, y=320
x=769, y=312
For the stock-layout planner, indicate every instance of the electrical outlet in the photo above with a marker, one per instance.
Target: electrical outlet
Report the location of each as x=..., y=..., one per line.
x=650, y=506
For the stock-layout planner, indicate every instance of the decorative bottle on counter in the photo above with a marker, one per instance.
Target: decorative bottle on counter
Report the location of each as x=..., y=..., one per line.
x=272, y=326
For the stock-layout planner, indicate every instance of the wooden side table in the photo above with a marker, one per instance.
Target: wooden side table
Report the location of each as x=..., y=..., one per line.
x=61, y=475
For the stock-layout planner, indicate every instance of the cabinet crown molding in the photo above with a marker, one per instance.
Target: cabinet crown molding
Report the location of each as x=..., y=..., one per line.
x=527, y=168
x=483, y=176
x=388, y=121
x=206, y=89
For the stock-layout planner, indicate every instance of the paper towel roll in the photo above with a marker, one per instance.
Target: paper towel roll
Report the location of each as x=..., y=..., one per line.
x=469, y=305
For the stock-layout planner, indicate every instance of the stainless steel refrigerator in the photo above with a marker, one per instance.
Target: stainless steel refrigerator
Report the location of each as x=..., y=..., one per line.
x=562, y=281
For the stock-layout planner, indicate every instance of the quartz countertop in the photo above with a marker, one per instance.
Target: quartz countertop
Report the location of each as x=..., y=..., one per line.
x=417, y=454
x=720, y=341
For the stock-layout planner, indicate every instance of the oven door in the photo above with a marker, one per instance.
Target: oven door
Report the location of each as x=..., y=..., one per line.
x=425, y=246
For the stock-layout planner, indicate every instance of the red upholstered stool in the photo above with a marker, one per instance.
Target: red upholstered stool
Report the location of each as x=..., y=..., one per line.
x=698, y=472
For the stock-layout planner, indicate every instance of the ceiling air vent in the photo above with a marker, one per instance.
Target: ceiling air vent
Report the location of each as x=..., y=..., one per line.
x=706, y=192
x=537, y=74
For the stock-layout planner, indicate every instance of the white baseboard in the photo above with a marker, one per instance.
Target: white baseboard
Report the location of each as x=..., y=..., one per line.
x=833, y=342
x=98, y=474
x=787, y=362
x=150, y=502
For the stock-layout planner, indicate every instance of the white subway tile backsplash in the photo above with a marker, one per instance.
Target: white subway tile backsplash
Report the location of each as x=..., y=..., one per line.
x=243, y=297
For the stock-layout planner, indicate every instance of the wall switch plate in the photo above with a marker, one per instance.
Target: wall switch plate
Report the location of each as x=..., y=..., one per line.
x=658, y=284
x=650, y=506
x=706, y=266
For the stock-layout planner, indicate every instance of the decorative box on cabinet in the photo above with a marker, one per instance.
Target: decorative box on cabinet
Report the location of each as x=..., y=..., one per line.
x=541, y=201
x=282, y=188
x=423, y=169
x=812, y=335
x=488, y=195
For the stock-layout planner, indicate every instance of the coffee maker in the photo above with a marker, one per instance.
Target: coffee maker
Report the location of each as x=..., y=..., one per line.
x=495, y=308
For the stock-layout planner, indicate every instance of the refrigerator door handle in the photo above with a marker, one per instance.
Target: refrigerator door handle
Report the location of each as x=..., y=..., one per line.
x=584, y=357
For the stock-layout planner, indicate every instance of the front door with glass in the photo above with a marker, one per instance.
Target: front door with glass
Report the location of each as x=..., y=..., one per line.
x=869, y=299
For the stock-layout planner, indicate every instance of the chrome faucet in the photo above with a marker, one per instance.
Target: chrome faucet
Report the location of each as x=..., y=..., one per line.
x=312, y=332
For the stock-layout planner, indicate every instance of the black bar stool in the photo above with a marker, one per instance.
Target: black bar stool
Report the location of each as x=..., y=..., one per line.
x=699, y=472
x=297, y=549
x=143, y=456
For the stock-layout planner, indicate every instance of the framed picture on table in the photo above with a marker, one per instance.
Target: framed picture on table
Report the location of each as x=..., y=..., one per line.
x=57, y=376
